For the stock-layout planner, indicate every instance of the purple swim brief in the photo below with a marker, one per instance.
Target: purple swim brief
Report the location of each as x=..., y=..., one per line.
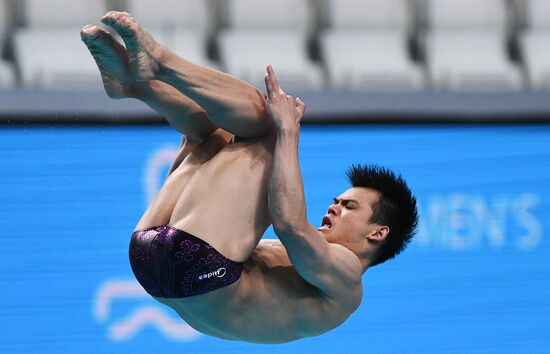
x=171, y=263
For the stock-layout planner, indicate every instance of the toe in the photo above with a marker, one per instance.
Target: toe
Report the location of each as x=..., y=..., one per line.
x=123, y=23
x=110, y=15
x=90, y=33
x=88, y=30
x=113, y=16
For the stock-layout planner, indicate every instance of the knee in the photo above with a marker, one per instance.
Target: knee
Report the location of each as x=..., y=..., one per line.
x=210, y=146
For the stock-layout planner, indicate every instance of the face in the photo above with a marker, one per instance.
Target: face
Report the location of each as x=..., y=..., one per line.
x=347, y=221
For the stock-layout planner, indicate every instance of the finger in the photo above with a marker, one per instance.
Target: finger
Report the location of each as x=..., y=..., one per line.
x=300, y=106
x=274, y=81
x=268, y=86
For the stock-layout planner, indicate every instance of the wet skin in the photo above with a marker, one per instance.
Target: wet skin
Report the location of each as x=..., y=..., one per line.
x=218, y=188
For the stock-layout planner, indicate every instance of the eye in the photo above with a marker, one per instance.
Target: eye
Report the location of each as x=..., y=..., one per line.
x=348, y=204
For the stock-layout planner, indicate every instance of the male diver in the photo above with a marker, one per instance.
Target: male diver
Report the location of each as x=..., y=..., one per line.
x=198, y=247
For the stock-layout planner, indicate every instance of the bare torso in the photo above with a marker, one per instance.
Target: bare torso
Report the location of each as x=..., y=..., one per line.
x=271, y=303
x=224, y=202
x=219, y=191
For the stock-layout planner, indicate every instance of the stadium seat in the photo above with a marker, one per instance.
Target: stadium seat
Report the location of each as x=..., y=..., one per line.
x=366, y=46
x=3, y=20
x=54, y=58
x=7, y=75
x=466, y=46
x=184, y=26
x=63, y=13
x=49, y=51
x=265, y=32
x=535, y=43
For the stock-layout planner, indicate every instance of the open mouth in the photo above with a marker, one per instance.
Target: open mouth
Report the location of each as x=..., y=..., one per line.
x=326, y=224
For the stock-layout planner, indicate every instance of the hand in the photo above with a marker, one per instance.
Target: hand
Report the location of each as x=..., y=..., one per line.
x=285, y=111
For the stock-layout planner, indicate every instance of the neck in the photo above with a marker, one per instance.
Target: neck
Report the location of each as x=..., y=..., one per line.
x=366, y=257
x=367, y=260
x=366, y=264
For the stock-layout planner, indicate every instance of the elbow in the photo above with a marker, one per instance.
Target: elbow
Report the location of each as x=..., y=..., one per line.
x=287, y=228
x=288, y=222
x=281, y=227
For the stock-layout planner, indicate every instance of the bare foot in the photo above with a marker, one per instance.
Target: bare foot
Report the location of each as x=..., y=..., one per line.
x=140, y=44
x=112, y=60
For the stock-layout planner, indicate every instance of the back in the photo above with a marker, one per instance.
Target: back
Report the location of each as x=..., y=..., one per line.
x=269, y=288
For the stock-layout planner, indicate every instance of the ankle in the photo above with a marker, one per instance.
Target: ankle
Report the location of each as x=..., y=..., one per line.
x=164, y=60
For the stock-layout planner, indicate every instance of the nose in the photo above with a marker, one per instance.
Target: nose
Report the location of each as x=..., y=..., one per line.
x=334, y=209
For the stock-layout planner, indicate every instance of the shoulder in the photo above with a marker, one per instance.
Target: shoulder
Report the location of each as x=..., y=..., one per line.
x=269, y=251
x=346, y=262
x=270, y=246
x=342, y=275
x=266, y=242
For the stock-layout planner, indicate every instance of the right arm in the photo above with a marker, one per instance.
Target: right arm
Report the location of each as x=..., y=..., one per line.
x=331, y=268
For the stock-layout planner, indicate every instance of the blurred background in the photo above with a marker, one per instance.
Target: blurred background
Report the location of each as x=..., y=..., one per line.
x=452, y=94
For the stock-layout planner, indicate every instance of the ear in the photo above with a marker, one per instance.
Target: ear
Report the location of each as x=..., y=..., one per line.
x=379, y=234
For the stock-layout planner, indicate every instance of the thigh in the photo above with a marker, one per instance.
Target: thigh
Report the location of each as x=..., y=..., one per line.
x=188, y=161
x=225, y=202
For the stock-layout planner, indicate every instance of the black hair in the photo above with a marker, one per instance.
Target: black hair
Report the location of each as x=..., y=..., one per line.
x=396, y=207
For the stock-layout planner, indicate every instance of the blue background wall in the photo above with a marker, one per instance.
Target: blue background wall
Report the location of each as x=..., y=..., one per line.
x=476, y=279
